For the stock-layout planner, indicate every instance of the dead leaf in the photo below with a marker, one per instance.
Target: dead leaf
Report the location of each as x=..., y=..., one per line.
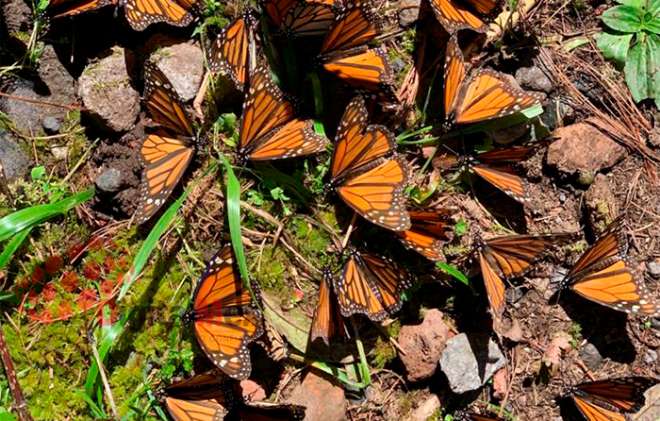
x=500, y=383
x=552, y=355
x=514, y=333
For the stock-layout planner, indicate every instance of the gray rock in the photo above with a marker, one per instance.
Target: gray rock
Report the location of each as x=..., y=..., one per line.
x=650, y=356
x=26, y=116
x=556, y=113
x=183, y=64
x=15, y=162
x=466, y=368
x=17, y=18
x=60, y=83
x=591, y=356
x=60, y=153
x=533, y=78
x=653, y=268
x=408, y=12
x=107, y=93
x=51, y=124
x=110, y=180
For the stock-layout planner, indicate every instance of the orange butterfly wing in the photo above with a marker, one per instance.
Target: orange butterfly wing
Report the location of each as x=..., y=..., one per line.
x=355, y=27
x=606, y=400
x=368, y=70
x=428, y=232
x=269, y=129
x=370, y=285
x=327, y=322
x=164, y=104
x=277, y=10
x=509, y=183
x=230, y=52
x=308, y=18
x=224, y=319
x=199, y=398
x=63, y=8
x=486, y=95
x=454, y=16
x=603, y=275
x=494, y=288
x=142, y=13
x=455, y=71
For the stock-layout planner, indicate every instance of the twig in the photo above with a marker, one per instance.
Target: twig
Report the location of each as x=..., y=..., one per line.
x=349, y=230
x=104, y=378
x=14, y=386
x=201, y=93
x=46, y=103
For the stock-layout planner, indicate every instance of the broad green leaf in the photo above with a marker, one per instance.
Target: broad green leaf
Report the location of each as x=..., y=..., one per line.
x=614, y=47
x=294, y=325
x=651, y=22
x=654, y=65
x=29, y=217
x=637, y=4
x=623, y=18
x=142, y=256
x=638, y=72
x=453, y=271
x=654, y=8
x=13, y=245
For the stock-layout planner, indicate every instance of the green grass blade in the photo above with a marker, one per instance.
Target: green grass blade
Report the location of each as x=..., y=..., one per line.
x=12, y=246
x=338, y=374
x=234, y=217
x=25, y=218
x=105, y=345
x=150, y=244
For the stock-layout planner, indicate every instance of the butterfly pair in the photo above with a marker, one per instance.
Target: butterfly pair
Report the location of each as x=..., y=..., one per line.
x=206, y=397
x=610, y=399
x=472, y=96
x=139, y=13
x=603, y=275
x=369, y=284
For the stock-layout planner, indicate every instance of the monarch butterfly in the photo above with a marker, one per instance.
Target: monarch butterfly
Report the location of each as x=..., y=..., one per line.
x=301, y=18
x=224, y=318
x=603, y=275
x=327, y=322
x=142, y=13
x=63, y=8
x=511, y=257
x=167, y=152
x=610, y=399
x=269, y=129
x=429, y=230
x=206, y=397
x=370, y=285
x=368, y=183
x=495, y=167
x=230, y=52
x=345, y=51
x=470, y=416
x=483, y=95
x=455, y=15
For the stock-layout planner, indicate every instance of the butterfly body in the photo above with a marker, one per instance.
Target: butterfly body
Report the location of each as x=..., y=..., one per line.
x=327, y=322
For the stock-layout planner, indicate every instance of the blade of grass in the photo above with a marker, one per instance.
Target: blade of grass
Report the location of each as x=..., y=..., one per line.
x=12, y=246
x=234, y=217
x=453, y=272
x=142, y=257
x=25, y=218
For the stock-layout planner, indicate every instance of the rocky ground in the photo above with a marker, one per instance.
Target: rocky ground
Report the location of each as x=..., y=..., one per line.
x=75, y=111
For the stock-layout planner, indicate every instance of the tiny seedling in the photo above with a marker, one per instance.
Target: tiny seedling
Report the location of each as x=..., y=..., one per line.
x=632, y=40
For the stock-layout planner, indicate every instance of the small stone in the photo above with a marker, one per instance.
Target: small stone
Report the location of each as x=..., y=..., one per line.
x=110, y=180
x=600, y=203
x=591, y=356
x=408, y=12
x=106, y=91
x=51, y=125
x=556, y=113
x=60, y=153
x=422, y=345
x=468, y=363
x=562, y=196
x=183, y=65
x=426, y=409
x=15, y=162
x=650, y=356
x=582, y=148
x=513, y=295
x=653, y=268
x=533, y=78
x=323, y=399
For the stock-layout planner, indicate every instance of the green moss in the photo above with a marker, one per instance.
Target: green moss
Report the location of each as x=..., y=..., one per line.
x=269, y=267
x=382, y=353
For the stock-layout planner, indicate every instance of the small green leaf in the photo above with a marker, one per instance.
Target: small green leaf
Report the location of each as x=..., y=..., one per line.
x=639, y=70
x=38, y=172
x=652, y=20
x=623, y=18
x=461, y=227
x=453, y=271
x=614, y=47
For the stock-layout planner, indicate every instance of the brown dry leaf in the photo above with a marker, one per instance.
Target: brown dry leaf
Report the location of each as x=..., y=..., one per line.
x=561, y=341
x=514, y=333
x=500, y=383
